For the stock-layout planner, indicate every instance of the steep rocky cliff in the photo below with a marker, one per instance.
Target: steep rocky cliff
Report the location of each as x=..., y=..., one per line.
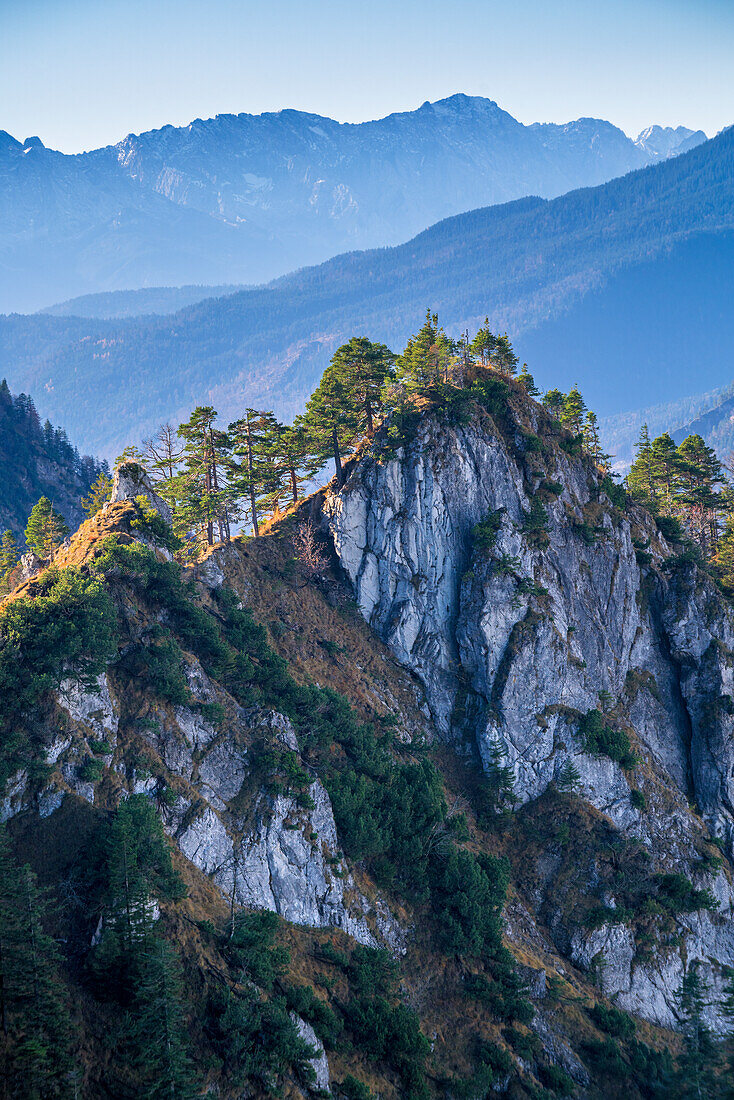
x=326, y=746
x=496, y=567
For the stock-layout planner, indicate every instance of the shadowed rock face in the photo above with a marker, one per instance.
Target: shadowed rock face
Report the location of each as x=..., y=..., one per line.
x=514, y=644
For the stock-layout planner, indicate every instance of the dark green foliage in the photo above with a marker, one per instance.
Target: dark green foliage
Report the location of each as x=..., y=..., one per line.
x=156, y=1040
x=304, y=1001
x=467, y=894
x=572, y=445
x=252, y=948
x=505, y=994
x=492, y=393
x=158, y=666
x=535, y=523
x=670, y=528
x=677, y=894
x=135, y=868
x=38, y=460
x=256, y=1040
x=696, y=1075
x=557, y=1080
x=352, y=1089
x=35, y=1040
x=45, y=530
x=637, y=799
x=616, y=493
x=484, y=535
x=568, y=777
x=603, y=739
x=91, y=771
x=552, y=488
x=67, y=628
x=149, y=522
x=603, y=1056
x=619, y=1025
x=380, y=1025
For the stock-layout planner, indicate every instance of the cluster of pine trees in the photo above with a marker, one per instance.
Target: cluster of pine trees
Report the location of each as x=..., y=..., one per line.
x=688, y=486
x=216, y=480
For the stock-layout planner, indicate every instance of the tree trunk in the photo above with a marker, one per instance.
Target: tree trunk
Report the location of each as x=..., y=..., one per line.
x=294, y=485
x=250, y=467
x=337, y=458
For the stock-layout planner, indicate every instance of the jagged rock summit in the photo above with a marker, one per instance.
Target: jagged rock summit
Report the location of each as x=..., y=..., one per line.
x=503, y=572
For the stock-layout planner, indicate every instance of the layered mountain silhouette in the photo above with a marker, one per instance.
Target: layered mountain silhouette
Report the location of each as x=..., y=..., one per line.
x=244, y=198
x=624, y=288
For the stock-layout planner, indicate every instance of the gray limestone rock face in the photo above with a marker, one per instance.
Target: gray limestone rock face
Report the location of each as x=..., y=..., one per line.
x=514, y=643
x=319, y=1062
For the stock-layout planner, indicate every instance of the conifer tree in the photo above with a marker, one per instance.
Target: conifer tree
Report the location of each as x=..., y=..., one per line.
x=157, y=1036
x=99, y=493
x=726, y=1008
x=45, y=530
x=163, y=453
x=254, y=477
x=665, y=465
x=484, y=344
x=553, y=402
x=427, y=360
x=364, y=368
x=592, y=442
x=641, y=480
x=699, y=474
x=504, y=358
x=527, y=382
x=331, y=420
x=9, y=556
x=200, y=490
x=573, y=411
x=696, y=1075
x=35, y=1029
x=292, y=454
x=723, y=561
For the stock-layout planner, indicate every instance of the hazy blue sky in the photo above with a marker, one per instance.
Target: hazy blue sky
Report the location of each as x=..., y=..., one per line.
x=82, y=73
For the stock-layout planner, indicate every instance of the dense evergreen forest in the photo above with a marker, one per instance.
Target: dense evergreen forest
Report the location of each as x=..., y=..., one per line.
x=38, y=460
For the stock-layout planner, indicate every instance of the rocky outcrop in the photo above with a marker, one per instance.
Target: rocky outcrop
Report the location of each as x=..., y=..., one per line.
x=520, y=633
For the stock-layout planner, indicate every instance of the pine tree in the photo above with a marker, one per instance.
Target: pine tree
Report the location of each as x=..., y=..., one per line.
x=484, y=344
x=428, y=359
x=45, y=530
x=696, y=1075
x=726, y=1007
x=331, y=419
x=157, y=1038
x=364, y=368
x=665, y=465
x=641, y=480
x=504, y=358
x=99, y=493
x=35, y=1029
x=292, y=454
x=592, y=442
x=9, y=556
x=553, y=402
x=723, y=560
x=699, y=474
x=137, y=869
x=573, y=411
x=527, y=382
x=498, y=786
x=254, y=478
x=199, y=491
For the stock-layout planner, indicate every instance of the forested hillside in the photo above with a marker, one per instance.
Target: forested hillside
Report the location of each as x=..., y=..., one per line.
x=38, y=460
x=525, y=264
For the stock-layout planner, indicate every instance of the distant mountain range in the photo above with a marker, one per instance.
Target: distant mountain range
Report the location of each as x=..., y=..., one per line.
x=245, y=198
x=625, y=288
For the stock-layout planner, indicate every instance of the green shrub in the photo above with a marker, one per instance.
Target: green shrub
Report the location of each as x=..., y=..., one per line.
x=91, y=770
x=484, y=534
x=352, y=1089
x=159, y=667
x=601, y=739
x=557, y=1080
x=303, y=1000
x=637, y=799
x=573, y=445
x=99, y=746
x=552, y=488
x=670, y=528
x=492, y=393
x=616, y=493
x=604, y=1057
x=467, y=895
x=531, y=443
x=67, y=627
x=619, y=1025
x=252, y=948
x=677, y=894
x=535, y=523
x=148, y=521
